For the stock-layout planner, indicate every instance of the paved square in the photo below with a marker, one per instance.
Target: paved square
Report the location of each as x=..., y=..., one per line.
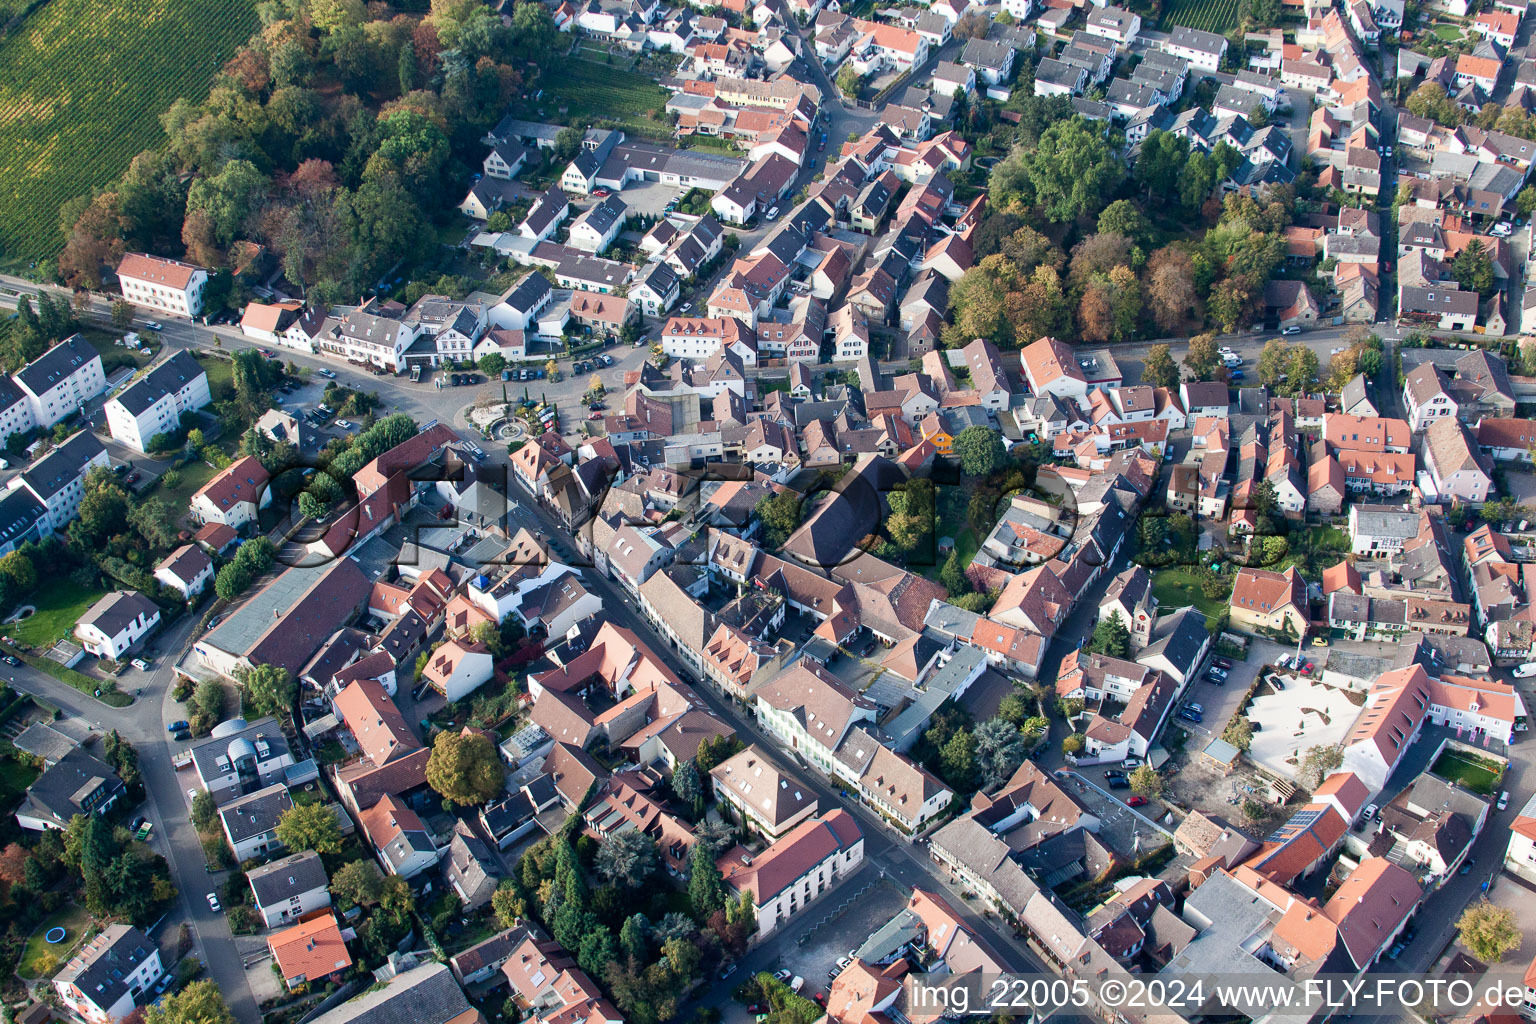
x=1304, y=714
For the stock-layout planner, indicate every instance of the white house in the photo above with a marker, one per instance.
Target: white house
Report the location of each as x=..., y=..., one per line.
x=117, y=622
x=187, y=570
x=59, y=382
x=796, y=869
x=810, y=711
x=288, y=324
x=656, y=289
x=170, y=285
x=153, y=404
x=458, y=668
x=58, y=478
x=234, y=496
x=595, y=230
x=106, y=980
x=1201, y=49
x=250, y=821
x=1426, y=395
x=289, y=888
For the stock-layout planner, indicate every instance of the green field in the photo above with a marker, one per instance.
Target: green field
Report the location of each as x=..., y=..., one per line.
x=588, y=91
x=82, y=86
x=1208, y=15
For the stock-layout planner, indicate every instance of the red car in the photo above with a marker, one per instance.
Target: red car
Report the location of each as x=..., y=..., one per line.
x=132, y=478
x=595, y=416
x=1306, y=669
x=1136, y=801
x=821, y=999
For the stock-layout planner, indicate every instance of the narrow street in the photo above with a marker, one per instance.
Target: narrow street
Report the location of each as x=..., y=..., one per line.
x=143, y=724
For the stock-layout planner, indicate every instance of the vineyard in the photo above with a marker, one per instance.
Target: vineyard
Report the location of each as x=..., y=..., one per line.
x=82, y=87
x=1220, y=16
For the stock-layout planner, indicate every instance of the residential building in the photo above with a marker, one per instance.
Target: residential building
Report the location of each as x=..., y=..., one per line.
x=771, y=800
x=116, y=622
x=188, y=570
x=1456, y=466
x=234, y=496
x=399, y=838
x=59, y=382
x=153, y=404
x=57, y=480
x=796, y=869
x=110, y=975
x=426, y=994
x=77, y=783
x=289, y=888
x=311, y=951
x=167, y=285
x=1270, y=601
x=250, y=822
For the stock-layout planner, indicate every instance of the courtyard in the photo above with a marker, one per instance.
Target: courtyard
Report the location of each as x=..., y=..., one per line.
x=1305, y=714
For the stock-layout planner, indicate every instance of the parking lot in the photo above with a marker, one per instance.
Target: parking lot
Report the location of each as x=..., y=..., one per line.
x=849, y=915
x=1128, y=831
x=1220, y=703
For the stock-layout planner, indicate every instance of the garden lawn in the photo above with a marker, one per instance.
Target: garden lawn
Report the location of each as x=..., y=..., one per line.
x=82, y=86
x=588, y=91
x=221, y=376
x=73, y=919
x=1467, y=770
x=1450, y=33
x=1179, y=588
x=60, y=604
x=953, y=504
x=193, y=476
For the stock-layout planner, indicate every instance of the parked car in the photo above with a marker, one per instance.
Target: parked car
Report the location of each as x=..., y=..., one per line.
x=153, y=325
x=13, y=661
x=181, y=735
x=1136, y=801
x=1503, y=799
x=1293, y=329
x=727, y=971
x=1467, y=866
x=782, y=974
x=1525, y=671
x=1319, y=641
x=1118, y=782
x=344, y=424
x=1191, y=716
x=1131, y=762
x=327, y=374
x=213, y=903
x=1196, y=708
x=177, y=726
x=131, y=478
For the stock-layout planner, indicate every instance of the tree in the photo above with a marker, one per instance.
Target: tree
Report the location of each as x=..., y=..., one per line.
x=1160, y=370
x=1072, y=745
x=706, y=888
x=1145, y=782
x=957, y=761
x=270, y=689
x=18, y=572
x=1489, y=931
x=952, y=575
x=357, y=882
x=1123, y=217
x=1317, y=763
x=1070, y=172
x=1111, y=637
x=122, y=314
x=1473, y=269
x=1170, y=289
x=635, y=937
x=1014, y=708
x=492, y=363
x=1239, y=733
x=198, y=1003
x=849, y=81
x=980, y=450
x=627, y=859
x=1000, y=749
x=1201, y=358
x=507, y=903
x=309, y=827
x=1525, y=201
x=1162, y=156
x=688, y=787
x=780, y=515
x=1430, y=101
x=464, y=768
x=205, y=812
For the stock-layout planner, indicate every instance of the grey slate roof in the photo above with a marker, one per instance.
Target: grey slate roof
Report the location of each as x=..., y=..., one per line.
x=113, y=613
x=255, y=814
x=102, y=967
x=77, y=783
x=166, y=379
x=290, y=876
x=62, y=466
x=422, y=995
x=65, y=358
